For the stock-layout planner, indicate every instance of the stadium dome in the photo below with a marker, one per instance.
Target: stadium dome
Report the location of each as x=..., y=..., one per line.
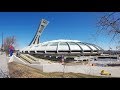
x=64, y=47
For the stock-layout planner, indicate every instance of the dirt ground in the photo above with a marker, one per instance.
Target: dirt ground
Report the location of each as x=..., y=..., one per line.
x=17, y=70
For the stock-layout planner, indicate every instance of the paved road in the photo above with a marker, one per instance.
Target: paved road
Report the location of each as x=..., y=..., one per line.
x=4, y=72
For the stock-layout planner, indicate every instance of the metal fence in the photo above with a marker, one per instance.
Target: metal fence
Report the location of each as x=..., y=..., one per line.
x=4, y=74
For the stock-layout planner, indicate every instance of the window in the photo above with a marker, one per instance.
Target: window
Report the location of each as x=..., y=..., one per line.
x=45, y=44
x=72, y=43
x=63, y=43
x=54, y=44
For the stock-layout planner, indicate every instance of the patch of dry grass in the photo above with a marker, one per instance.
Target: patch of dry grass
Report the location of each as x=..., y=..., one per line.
x=17, y=70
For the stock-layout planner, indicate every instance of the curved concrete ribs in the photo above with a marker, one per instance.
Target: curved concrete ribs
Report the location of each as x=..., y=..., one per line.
x=41, y=27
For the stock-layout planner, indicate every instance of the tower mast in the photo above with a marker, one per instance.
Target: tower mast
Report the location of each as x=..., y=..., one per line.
x=41, y=27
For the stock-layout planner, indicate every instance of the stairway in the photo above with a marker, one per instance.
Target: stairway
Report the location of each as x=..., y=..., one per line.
x=29, y=59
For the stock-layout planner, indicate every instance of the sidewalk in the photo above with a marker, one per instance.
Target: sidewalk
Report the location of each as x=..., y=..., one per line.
x=4, y=72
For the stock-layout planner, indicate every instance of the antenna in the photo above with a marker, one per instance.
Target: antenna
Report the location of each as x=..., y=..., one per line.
x=41, y=27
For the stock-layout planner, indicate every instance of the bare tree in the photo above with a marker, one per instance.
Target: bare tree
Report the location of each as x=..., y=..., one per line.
x=11, y=40
x=110, y=24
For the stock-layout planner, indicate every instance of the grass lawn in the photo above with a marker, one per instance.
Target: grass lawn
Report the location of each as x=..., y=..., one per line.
x=17, y=70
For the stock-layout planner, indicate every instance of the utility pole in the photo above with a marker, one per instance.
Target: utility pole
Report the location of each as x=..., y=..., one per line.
x=2, y=42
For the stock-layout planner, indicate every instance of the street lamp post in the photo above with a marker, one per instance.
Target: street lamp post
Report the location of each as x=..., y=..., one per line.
x=2, y=42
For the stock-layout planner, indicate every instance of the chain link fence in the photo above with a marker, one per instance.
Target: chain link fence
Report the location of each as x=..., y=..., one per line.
x=4, y=74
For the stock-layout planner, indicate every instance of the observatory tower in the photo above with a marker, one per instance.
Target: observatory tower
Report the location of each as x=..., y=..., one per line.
x=41, y=27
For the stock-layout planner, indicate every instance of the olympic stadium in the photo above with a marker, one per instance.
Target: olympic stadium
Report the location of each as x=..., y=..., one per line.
x=50, y=55
x=59, y=47
x=66, y=47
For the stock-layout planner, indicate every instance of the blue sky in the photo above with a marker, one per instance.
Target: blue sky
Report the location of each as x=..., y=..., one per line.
x=63, y=25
